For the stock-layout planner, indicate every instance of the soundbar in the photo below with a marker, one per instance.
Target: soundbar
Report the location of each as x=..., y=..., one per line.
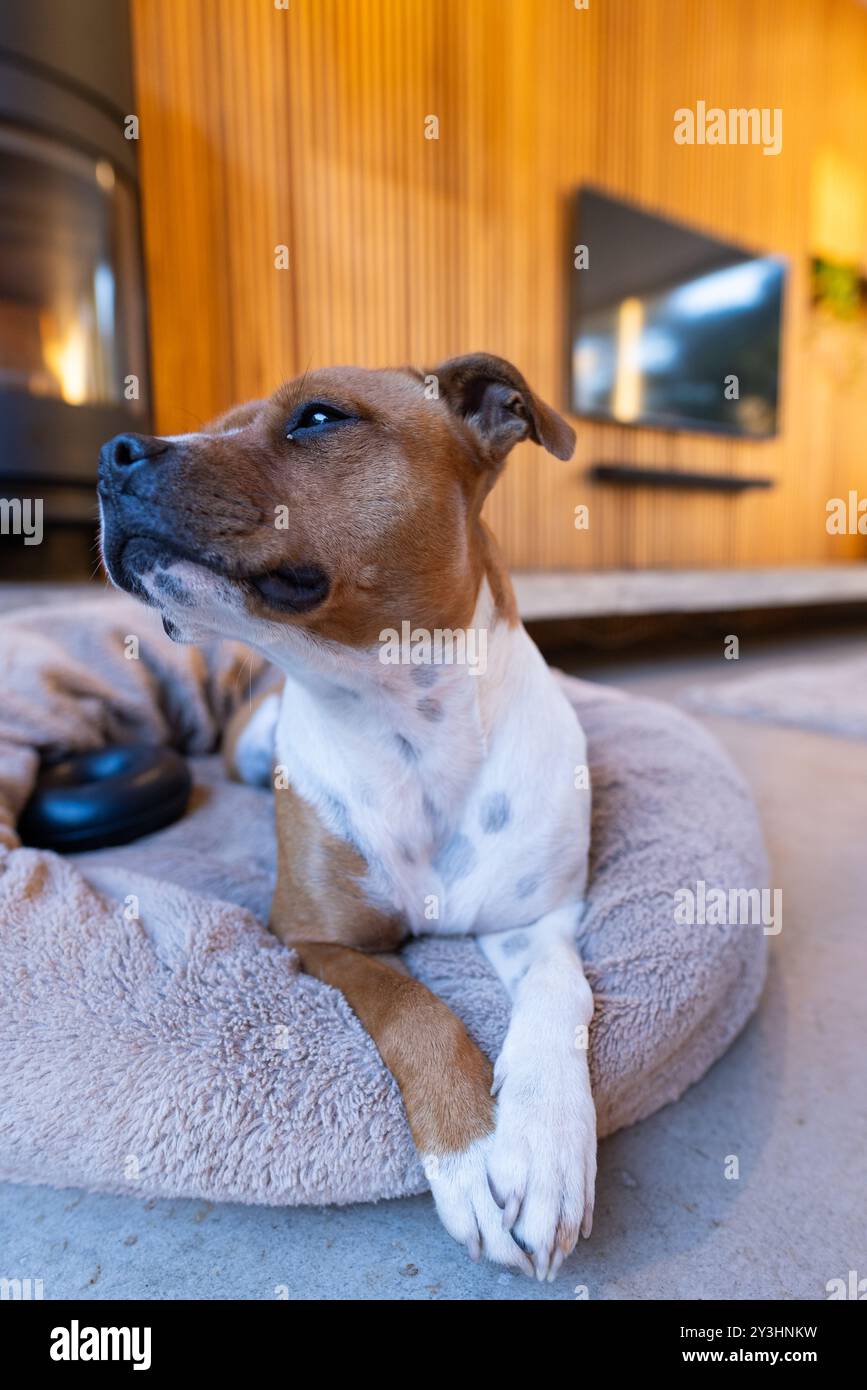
x=630, y=475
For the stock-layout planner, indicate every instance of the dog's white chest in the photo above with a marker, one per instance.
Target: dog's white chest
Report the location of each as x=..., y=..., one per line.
x=512, y=855
x=471, y=817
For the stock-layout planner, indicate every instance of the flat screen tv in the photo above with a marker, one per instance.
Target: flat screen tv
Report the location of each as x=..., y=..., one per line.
x=670, y=327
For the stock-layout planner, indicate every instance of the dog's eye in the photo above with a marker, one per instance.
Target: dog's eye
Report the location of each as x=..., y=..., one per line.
x=315, y=417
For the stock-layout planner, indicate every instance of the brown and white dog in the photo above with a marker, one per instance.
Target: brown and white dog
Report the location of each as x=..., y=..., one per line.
x=423, y=796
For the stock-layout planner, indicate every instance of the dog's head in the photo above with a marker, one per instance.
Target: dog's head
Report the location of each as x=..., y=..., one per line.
x=346, y=503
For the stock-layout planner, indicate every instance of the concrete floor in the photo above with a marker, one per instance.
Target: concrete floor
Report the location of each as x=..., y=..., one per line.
x=789, y=1100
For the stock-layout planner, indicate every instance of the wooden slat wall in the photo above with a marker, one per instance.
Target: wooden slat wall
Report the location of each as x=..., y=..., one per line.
x=305, y=127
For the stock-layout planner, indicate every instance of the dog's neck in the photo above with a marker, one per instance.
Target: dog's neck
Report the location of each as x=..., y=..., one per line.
x=411, y=681
x=412, y=676
x=348, y=717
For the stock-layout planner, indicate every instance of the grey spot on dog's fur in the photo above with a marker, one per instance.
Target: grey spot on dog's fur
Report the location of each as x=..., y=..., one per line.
x=514, y=942
x=407, y=750
x=526, y=885
x=343, y=824
x=456, y=858
x=425, y=676
x=407, y=855
x=339, y=815
x=171, y=587
x=495, y=813
x=434, y=817
x=430, y=708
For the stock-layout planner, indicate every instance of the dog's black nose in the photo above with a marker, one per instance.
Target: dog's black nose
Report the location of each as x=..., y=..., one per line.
x=126, y=449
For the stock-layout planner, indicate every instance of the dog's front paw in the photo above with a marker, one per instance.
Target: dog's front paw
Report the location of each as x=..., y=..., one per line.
x=542, y=1162
x=459, y=1182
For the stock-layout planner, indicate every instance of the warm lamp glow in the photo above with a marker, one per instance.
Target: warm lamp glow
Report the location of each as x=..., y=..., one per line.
x=838, y=210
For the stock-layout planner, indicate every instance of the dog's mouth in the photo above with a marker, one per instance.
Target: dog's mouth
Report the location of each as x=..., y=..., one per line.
x=132, y=560
x=293, y=590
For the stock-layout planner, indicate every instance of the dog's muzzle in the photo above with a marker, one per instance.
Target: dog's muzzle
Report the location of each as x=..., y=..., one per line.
x=138, y=476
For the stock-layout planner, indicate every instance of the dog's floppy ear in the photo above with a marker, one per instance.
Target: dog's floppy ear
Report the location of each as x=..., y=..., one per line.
x=496, y=402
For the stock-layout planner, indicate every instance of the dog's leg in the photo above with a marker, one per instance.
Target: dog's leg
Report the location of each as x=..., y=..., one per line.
x=445, y=1081
x=322, y=912
x=248, y=741
x=542, y=1162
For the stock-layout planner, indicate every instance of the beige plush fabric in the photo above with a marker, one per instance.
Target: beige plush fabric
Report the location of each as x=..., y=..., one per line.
x=155, y=1037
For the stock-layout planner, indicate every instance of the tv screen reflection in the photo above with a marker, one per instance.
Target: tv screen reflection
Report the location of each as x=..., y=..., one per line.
x=672, y=328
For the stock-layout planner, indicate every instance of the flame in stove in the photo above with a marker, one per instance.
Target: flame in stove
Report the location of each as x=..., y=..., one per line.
x=65, y=353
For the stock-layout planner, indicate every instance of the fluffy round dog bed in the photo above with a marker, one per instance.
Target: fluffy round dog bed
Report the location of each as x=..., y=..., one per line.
x=156, y=1039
